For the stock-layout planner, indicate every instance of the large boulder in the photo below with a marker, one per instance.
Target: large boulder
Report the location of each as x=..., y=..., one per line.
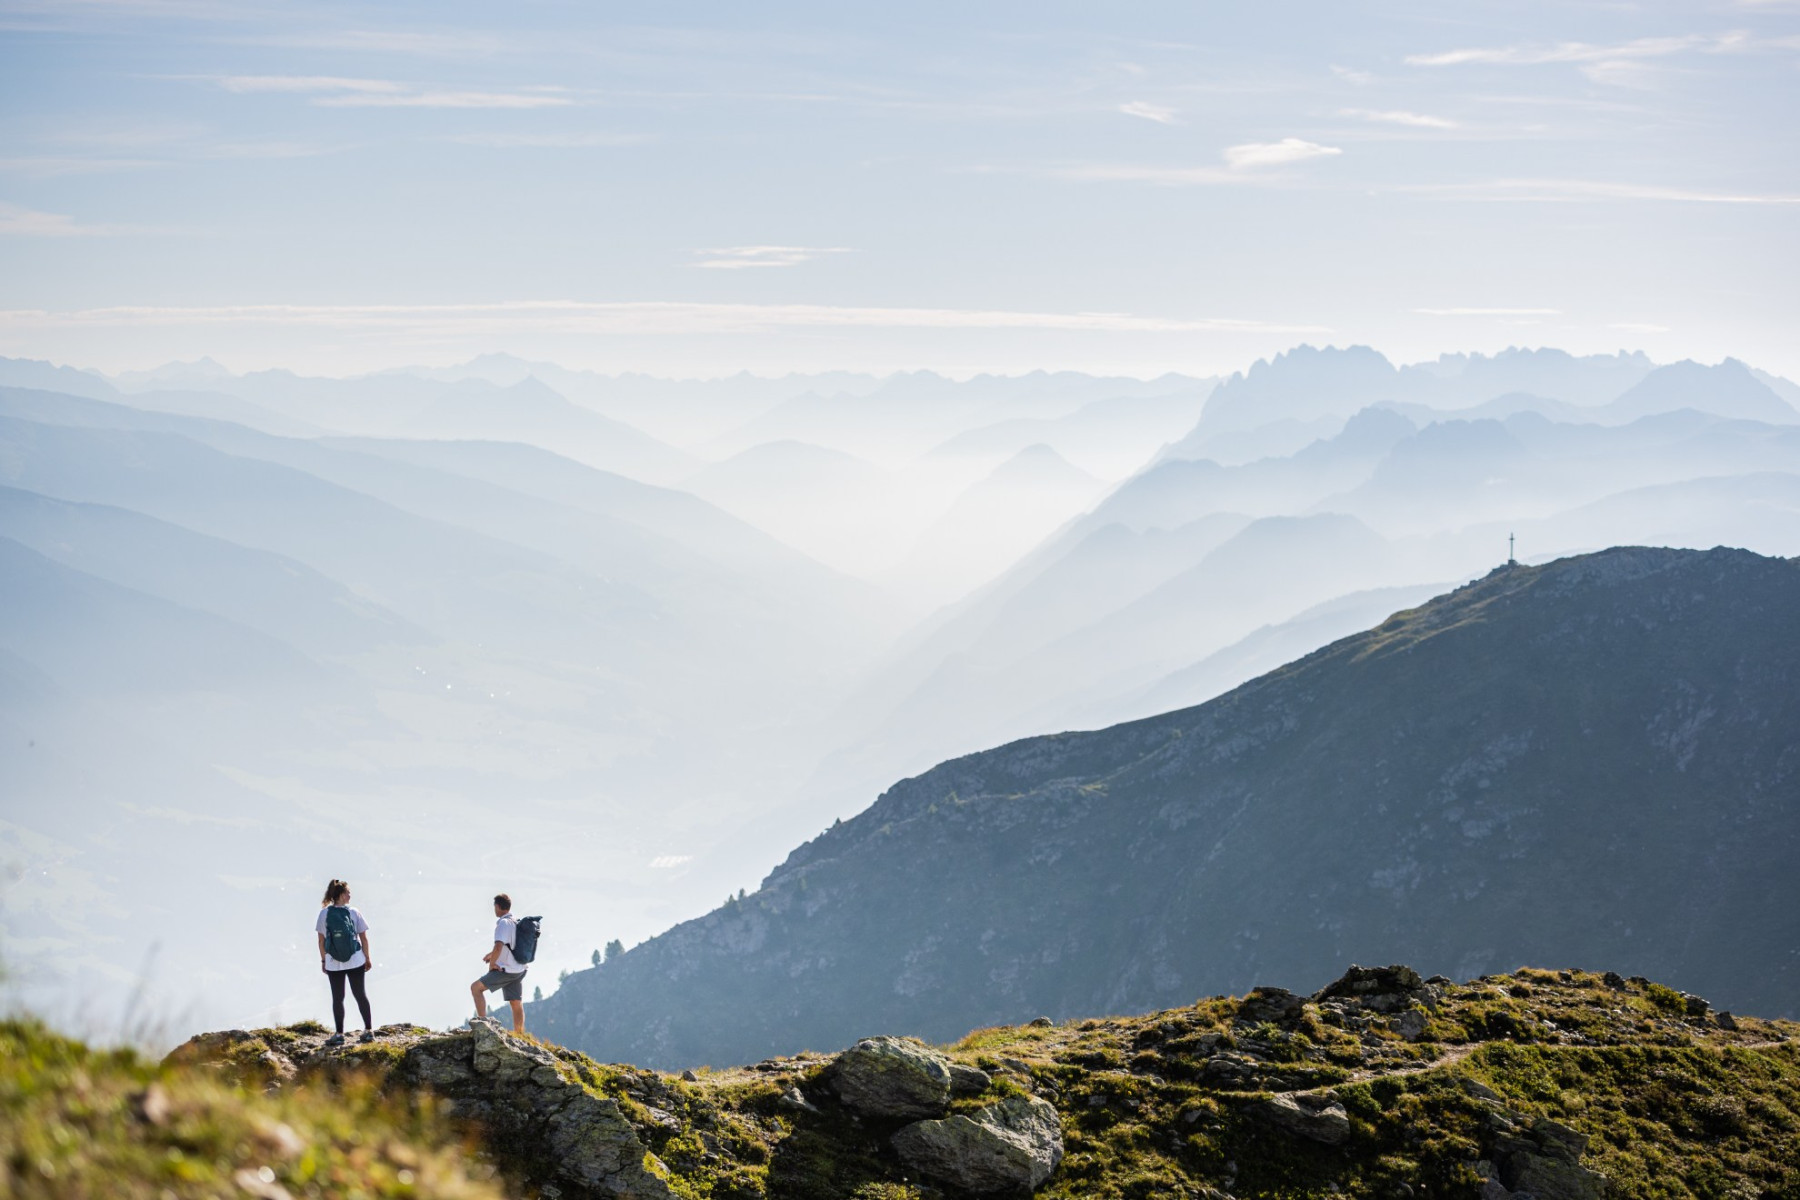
x=893, y=1078
x=1311, y=1115
x=1011, y=1146
x=1542, y=1159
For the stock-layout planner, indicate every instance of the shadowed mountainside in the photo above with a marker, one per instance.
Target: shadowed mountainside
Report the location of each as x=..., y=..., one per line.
x=1590, y=759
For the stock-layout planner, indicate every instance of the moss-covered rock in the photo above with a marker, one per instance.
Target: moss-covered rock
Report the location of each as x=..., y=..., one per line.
x=1556, y=1083
x=893, y=1077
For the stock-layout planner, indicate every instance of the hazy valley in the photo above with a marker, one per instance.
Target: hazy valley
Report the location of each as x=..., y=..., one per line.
x=625, y=642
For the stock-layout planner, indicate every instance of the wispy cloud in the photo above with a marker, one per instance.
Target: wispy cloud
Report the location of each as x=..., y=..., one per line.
x=1489, y=312
x=446, y=100
x=1398, y=117
x=1251, y=155
x=1572, y=52
x=1150, y=112
x=738, y=258
x=50, y=166
x=26, y=222
x=307, y=83
x=1569, y=190
x=337, y=91
x=552, y=141
x=1246, y=163
x=1359, y=78
x=667, y=862
x=1637, y=327
x=636, y=318
x=16, y=221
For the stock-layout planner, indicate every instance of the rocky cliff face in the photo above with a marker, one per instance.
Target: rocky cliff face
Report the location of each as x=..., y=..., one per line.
x=1559, y=1085
x=1593, y=760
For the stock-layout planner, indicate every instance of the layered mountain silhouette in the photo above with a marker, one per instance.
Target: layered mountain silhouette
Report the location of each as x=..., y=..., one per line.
x=1591, y=759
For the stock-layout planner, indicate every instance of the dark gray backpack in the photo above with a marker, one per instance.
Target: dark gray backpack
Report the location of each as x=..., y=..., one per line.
x=525, y=939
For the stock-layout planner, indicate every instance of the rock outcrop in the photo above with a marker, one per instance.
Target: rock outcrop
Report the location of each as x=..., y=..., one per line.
x=1012, y=1146
x=1269, y=1094
x=528, y=1099
x=1318, y=1118
x=892, y=1078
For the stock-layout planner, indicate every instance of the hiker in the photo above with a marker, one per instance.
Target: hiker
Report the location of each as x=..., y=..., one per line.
x=506, y=974
x=344, y=956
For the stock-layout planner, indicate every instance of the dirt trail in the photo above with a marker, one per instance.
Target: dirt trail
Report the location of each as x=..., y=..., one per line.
x=1457, y=1054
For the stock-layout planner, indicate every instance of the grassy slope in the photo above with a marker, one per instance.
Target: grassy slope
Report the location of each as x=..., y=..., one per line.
x=77, y=1122
x=1675, y=1106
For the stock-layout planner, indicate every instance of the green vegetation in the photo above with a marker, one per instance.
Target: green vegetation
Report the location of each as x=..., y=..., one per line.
x=1427, y=1080
x=76, y=1122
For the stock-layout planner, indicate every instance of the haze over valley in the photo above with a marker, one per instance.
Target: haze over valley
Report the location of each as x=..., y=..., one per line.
x=625, y=641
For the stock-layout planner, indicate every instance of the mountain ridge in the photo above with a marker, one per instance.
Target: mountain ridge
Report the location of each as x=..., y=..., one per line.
x=1452, y=786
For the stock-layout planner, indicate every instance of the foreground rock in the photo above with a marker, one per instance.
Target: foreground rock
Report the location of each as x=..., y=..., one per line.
x=1011, y=1146
x=523, y=1095
x=1315, y=1117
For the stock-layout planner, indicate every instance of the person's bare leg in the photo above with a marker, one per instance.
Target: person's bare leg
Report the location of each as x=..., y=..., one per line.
x=480, y=994
x=518, y=1007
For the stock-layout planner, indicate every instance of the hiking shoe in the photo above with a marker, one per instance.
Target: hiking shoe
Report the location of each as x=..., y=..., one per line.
x=367, y=1036
x=336, y=1039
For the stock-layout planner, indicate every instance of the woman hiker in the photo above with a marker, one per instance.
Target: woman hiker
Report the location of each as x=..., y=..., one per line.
x=344, y=956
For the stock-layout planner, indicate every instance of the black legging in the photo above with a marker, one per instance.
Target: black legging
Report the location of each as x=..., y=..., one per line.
x=337, y=996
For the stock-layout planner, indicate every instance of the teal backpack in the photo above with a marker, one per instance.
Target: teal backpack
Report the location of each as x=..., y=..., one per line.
x=340, y=933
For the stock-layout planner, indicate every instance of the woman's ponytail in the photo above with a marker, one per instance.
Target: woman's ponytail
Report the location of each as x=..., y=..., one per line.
x=333, y=890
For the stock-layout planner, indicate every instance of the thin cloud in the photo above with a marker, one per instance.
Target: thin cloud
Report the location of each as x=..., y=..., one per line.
x=632, y=318
x=445, y=100
x=51, y=166
x=16, y=221
x=1586, y=52
x=1637, y=327
x=1398, y=117
x=1251, y=155
x=308, y=83
x=1359, y=78
x=1570, y=190
x=665, y=862
x=338, y=91
x=1129, y=173
x=1150, y=112
x=1489, y=312
x=552, y=141
x=738, y=258
x=1246, y=163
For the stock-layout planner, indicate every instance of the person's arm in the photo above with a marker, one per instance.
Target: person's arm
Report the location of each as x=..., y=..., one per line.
x=368, y=958
x=321, y=952
x=492, y=957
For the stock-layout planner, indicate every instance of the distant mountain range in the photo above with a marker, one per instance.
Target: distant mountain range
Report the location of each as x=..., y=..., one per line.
x=1598, y=758
x=680, y=625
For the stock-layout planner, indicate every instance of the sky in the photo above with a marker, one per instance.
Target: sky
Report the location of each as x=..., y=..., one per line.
x=695, y=189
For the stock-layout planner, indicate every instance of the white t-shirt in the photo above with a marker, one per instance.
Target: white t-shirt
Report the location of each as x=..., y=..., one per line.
x=356, y=960
x=505, y=930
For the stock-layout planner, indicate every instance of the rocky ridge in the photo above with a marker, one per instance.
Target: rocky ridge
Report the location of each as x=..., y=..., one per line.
x=1558, y=1085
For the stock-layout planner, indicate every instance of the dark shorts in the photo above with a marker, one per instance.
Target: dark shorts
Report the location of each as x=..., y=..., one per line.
x=508, y=985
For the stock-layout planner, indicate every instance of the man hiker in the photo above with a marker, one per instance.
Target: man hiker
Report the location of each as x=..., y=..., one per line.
x=505, y=973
